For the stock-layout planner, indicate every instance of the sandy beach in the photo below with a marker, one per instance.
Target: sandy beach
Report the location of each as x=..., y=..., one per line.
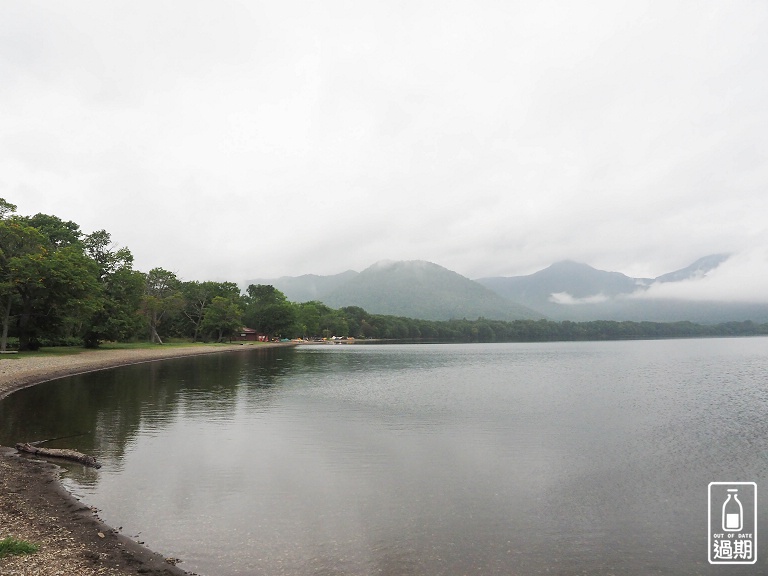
x=34, y=507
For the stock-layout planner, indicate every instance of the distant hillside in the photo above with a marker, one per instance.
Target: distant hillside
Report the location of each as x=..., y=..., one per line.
x=309, y=286
x=579, y=281
x=419, y=289
x=574, y=291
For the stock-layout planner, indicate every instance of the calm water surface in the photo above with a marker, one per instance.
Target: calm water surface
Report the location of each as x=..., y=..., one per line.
x=557, y=458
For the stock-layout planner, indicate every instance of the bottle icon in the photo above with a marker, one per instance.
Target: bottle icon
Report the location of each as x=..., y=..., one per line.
x=733, y=512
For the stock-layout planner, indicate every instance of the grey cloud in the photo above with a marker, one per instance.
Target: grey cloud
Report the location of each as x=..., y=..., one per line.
x=491, y=139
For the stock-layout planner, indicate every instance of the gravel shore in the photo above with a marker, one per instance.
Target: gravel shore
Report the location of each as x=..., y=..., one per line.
x=33, y=505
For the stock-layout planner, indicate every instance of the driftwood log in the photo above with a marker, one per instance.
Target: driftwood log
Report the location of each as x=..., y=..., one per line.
x=64, y=453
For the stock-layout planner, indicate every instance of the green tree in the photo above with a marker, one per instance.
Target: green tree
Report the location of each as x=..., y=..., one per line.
x=268, y=311
x=17, y=239
x=58, y=232
x=308, y=318
x=120, y=318
x=44, y=275
x=53, y=285
x=485, y=332
x=223, y=317
x=335, y=324
x=198, y=296
x=162, y=298
x=6, y=208
x=315, y=319
x=122, y=288
x=109, y=258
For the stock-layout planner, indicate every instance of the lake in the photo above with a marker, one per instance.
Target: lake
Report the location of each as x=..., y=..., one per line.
x=414, y=459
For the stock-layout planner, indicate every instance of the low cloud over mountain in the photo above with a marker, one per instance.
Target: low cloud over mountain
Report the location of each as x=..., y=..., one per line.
x=715, y=288
x=741, y=277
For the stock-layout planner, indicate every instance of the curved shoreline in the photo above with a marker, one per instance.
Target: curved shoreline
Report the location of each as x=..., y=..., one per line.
x=34, y=506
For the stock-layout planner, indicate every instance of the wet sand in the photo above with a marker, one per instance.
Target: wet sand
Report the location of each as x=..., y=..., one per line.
x=35, y=507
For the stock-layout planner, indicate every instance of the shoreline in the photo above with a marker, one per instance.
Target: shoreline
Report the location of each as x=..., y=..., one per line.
x=35, y=506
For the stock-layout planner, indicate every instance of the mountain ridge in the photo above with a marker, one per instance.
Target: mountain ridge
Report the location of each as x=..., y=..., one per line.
x=565, y=290
x=696, y=269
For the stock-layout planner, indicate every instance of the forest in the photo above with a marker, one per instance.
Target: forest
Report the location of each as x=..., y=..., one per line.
x=62, y=287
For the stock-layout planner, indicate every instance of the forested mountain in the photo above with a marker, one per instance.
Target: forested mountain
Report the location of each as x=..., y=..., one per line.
x=419, y=289
x=413, y=289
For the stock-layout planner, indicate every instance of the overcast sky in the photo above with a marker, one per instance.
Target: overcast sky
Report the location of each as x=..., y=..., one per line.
x=233, y=140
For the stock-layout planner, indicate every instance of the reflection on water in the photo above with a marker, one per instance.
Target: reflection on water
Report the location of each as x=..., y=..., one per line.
x=566, y=458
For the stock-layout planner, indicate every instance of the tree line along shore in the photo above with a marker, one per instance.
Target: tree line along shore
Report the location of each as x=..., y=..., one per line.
x=62, y=287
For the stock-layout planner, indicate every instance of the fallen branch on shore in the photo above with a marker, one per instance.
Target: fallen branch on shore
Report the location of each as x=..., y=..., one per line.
x=64, y=453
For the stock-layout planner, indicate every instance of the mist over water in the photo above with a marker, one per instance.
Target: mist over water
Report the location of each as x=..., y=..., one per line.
x=564, y=458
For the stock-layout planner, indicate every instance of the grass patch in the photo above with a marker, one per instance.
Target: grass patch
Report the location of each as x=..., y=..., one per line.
x=47, y=351
x=55, y=351
x=147, y=345
x=11, y=546
x=71, y=350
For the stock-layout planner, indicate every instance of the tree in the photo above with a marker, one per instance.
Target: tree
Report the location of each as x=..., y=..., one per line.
x=6, y=285
x=53, y=285
x=199, y=296
x=358, y=321
x=315, y=318
x=122, y=288
x=17, y=240
x=268, y=311
x=120, y=317
x=223, y=317
x=162, y=297
x=6, y=208
x=100, y=248
x=58, y=232
x=44, y=274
